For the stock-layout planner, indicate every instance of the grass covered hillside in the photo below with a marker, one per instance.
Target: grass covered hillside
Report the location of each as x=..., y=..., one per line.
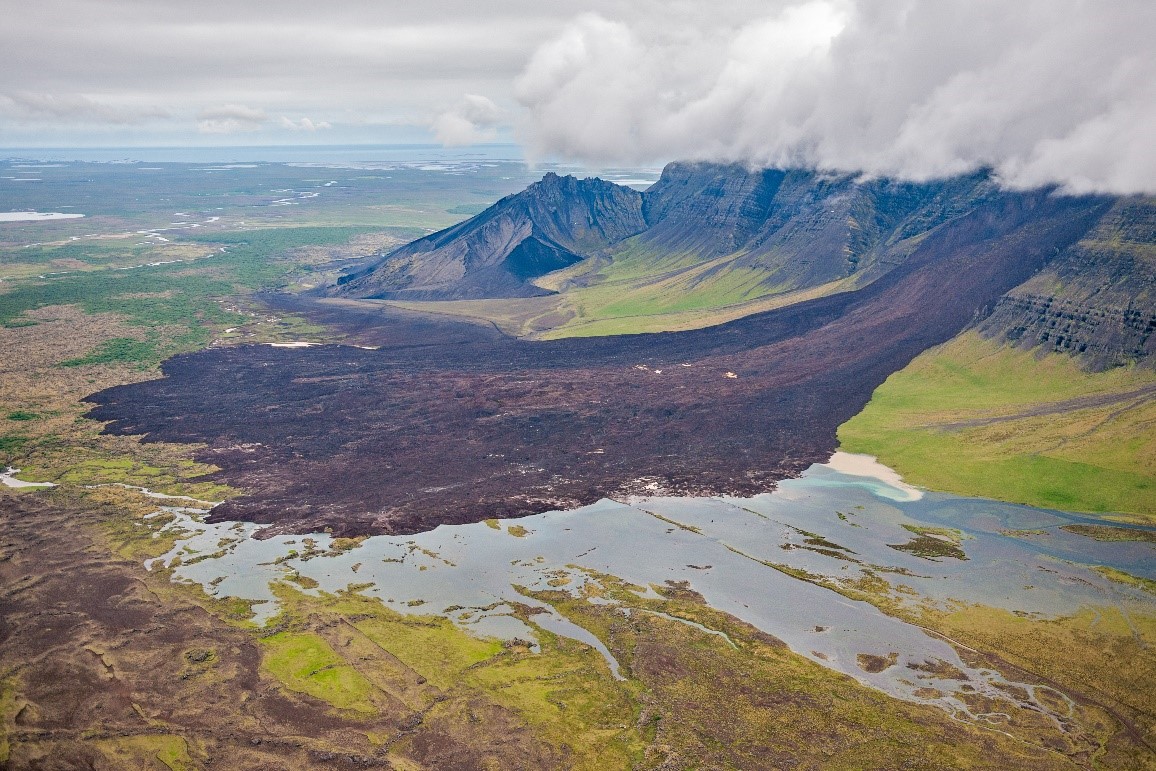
x=974, y=417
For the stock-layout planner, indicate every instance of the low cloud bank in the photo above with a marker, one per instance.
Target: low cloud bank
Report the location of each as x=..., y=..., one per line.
x=474, y=119
x=1043, y=91
x=230, y=119
x=69, y=108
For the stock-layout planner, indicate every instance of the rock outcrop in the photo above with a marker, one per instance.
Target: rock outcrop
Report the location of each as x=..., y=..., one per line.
x=799, y=228
x=447, y=421
x=549, y=225
x=1096, y=299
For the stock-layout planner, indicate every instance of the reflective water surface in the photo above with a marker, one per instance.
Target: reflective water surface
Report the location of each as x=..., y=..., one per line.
x=839, y=521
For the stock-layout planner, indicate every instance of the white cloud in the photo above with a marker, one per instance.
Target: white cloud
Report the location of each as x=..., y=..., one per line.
x=237, y=112
x=305, y=124
x=230, y=119
x=360, y=64
x=474, y=119
x=70, y=108
x=1042, y=90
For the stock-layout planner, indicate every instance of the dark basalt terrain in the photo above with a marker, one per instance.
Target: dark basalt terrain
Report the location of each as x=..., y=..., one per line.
x=450, y=422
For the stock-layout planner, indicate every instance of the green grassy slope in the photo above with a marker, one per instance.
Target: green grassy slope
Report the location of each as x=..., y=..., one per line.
x=639, y=290
x=640, y=287
x=974, y=418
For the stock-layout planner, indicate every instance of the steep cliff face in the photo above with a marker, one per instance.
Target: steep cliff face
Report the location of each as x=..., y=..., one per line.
x=551, y=224
x=1096, y=299
x=707, y=208
x=799, y=228
x=791, y=229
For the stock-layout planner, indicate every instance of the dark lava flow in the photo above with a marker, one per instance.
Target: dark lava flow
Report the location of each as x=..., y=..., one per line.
x=452, y=422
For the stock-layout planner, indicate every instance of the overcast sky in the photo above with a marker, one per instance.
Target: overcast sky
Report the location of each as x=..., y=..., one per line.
x=1042, y=90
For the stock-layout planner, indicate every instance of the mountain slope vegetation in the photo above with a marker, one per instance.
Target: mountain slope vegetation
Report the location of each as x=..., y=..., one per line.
x=1015, y=401
x=975, y=417
x=707, y=243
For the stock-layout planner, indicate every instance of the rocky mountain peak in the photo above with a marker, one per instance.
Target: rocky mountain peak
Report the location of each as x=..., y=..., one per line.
x=553, y=223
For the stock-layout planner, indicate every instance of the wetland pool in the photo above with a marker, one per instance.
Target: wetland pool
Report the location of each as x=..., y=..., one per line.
x=36, y=216
x=839, y=522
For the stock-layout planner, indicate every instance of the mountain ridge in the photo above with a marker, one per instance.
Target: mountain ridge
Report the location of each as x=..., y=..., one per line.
x=777, y=220
x=548, y=226
x=715, y=236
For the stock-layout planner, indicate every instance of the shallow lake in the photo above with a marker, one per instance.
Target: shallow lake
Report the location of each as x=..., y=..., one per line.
x=839, y=520
x=36, y=216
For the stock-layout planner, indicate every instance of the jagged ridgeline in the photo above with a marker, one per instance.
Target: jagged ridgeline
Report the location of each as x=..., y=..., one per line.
x=550, y=225
x=793, y=228
x=714, y=236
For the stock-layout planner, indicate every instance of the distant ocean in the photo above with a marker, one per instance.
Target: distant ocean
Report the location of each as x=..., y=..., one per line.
x=269, y=154
x=338, y=155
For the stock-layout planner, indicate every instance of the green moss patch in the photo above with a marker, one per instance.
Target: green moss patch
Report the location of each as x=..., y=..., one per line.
x=119, y=350
x=305, y=663
x=22, y=415
x=1112, y=533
